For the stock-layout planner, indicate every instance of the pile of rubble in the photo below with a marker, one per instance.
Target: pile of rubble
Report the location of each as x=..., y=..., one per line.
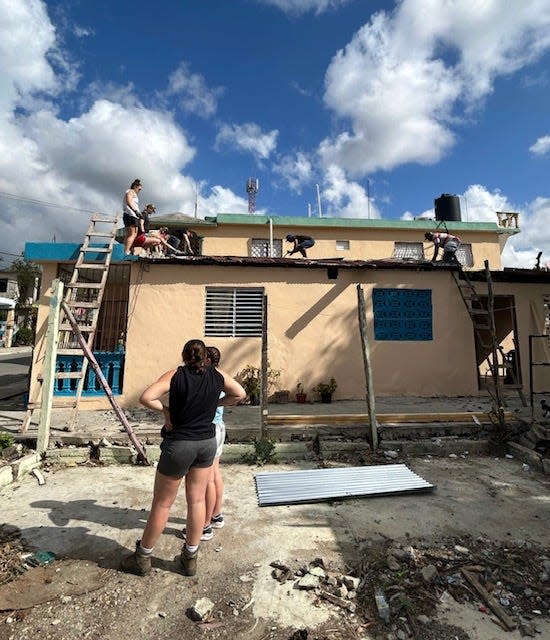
x=329, y=585
x=13, y=551
x=403, y=584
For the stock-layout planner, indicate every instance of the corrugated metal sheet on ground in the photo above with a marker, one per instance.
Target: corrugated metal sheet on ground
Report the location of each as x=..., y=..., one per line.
x=316, y=485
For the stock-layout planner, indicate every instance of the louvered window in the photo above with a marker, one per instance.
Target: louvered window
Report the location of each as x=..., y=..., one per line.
x=259, y=248
x=233, y=312
x=413, y=250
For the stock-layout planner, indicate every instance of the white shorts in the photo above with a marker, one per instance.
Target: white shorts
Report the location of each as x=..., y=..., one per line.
x=220, y=438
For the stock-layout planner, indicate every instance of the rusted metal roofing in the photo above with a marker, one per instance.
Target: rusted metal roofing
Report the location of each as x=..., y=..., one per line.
x=303, y=263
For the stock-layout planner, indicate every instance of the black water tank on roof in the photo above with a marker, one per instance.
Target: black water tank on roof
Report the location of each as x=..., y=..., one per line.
x=447, y=207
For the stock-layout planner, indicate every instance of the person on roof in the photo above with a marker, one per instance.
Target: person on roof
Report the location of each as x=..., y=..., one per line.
x=447, y=242
x=301, y=243
x=145, y=214
x=131, y=215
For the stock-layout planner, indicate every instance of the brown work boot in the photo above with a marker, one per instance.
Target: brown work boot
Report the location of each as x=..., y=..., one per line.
x=138, y=563
x=188, y=561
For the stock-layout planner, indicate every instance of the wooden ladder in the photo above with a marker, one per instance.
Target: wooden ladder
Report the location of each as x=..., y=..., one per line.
x=83, y=296
x=483, y=322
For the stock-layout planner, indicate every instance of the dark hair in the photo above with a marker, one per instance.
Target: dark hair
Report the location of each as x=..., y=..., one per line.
x=428, y=235
x=194, y=355
x=290, y=238
x=136, y=183
x=214, y=355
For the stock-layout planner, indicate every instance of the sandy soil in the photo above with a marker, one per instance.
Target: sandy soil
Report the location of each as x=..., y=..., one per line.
x=93, y=514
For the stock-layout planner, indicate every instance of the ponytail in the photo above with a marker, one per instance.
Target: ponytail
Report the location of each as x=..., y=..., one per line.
x=194, y=355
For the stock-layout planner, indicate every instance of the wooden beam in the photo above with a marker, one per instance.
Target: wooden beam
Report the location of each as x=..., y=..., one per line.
x=48, y=371
x=369, y=384
x=382, y=418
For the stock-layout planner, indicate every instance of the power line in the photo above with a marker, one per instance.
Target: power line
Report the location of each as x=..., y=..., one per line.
x=13, y=196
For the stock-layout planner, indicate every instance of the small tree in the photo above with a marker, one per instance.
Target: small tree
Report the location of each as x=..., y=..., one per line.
x=28, y=279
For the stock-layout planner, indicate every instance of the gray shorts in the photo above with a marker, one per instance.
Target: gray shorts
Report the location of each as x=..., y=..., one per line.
x=220, y=437
x=178, y=456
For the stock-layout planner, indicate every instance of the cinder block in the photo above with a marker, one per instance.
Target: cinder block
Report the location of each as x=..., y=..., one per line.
x=153, y=452
x=69, y=455
x=529, y=456
x=6, y=476
x=117, y=455
x=25, y=465
x=234, y=452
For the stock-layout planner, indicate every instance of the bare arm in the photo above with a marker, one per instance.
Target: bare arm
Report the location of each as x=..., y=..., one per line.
x=150, y=398
x=234, y=393
x=130, y=201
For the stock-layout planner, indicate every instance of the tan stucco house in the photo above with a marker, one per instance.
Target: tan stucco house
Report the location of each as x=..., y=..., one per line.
x=421, y=335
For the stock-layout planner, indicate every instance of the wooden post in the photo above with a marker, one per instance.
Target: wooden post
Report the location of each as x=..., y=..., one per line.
x=494, y=354
x=48, y=373
x=263, y=377
x=361, y=310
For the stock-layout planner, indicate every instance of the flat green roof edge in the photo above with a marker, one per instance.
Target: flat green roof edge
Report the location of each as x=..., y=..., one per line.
x=298, y=221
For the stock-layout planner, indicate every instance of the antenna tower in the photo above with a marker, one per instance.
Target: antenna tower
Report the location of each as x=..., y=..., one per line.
x=252, y=187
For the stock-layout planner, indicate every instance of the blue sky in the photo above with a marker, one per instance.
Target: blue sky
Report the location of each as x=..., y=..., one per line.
x=400, y=100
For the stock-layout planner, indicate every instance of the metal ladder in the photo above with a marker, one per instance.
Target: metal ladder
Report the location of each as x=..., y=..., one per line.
x=483, y=322
x=84, y=298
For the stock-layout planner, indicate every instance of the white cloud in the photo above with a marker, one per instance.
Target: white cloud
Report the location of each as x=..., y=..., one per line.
x=478, y=204
x=403, y=79
x=296, y=170
x=344, y=199
x=297, y=7
x=248, y=137
x=541, y=146
x=85, y=162
x=83, y=32
x=222, y=200
x=26, y=36
x=522, y=250
x=192, y=91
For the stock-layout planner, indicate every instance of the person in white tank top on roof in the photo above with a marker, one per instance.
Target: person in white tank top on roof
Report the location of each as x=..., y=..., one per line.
x=131, y=215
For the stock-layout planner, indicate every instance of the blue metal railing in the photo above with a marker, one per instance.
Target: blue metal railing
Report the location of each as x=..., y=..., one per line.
x=111, y=364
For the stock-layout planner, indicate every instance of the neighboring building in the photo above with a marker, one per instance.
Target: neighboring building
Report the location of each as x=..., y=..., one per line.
x=9, y=292
x=421, y=336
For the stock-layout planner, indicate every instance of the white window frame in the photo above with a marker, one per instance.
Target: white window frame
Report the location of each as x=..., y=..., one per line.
x=342, y=245
x=233, y=312
x=408, y=250
x=259, y=248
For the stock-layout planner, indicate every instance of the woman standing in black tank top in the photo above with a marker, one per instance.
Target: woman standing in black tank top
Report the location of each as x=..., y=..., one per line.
x=187, y=450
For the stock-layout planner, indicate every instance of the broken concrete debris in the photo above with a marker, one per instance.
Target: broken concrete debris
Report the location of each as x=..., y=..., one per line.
x=507, y=582
x=335, y=587
x=201, y=610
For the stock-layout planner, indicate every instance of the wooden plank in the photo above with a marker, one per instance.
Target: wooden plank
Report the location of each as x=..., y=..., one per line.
x=382, y=418
x=495, y=607
x=52, y=338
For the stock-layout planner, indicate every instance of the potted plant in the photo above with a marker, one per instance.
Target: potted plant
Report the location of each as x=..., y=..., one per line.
x=249, y=377
x=326, y=389
x=301, y=395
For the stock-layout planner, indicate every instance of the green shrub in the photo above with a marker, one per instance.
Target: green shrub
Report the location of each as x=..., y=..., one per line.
x=24, y=337
x=264, y=452
x=6, y=440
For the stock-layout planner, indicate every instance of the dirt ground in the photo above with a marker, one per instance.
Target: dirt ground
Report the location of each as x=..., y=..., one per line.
x=486, y=512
